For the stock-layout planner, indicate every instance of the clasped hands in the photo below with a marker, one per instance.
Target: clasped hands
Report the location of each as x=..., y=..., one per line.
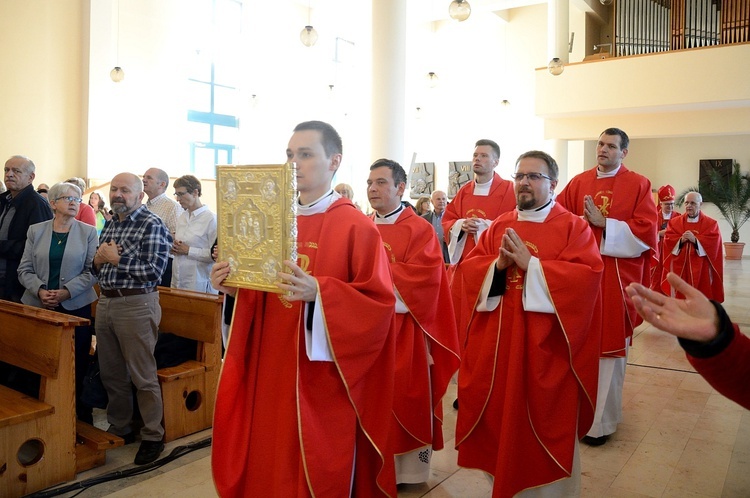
x=512, y=250
x=179, y=247
x=470, y=225
x=688, y=236
x=51, y=299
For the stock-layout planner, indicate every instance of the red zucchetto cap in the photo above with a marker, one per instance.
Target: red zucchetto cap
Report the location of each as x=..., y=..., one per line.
x=666, y=193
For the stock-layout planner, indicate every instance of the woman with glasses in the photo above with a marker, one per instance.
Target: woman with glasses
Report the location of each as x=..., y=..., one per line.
x=55, y=269
x=196, y=233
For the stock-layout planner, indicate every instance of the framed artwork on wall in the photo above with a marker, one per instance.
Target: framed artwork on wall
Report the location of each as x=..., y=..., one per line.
x=722, y=166
x=459, y=173
x=421, y=180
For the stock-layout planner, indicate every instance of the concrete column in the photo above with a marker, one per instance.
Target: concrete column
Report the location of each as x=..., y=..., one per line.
x=388, y=80
x=558, y=27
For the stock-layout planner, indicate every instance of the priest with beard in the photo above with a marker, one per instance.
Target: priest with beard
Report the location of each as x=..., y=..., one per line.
x=528, y=376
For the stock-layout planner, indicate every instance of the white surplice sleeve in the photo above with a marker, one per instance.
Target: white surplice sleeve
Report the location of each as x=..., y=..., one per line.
x=620, y=241
x=535, y=294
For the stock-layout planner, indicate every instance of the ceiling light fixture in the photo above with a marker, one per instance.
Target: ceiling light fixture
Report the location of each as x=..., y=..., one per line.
x=556, y=66
x=460, y=10
x=117, y=74
x=308, y=36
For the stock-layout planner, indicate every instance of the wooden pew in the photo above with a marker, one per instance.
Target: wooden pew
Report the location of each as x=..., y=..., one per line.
x=189, y=390
x=92, y=444
x=37, y=435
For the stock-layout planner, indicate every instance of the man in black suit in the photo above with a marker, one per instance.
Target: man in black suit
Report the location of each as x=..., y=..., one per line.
x=20, y=207
x=439, y=201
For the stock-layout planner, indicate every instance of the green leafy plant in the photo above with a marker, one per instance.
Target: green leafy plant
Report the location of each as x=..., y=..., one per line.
x=730, y=194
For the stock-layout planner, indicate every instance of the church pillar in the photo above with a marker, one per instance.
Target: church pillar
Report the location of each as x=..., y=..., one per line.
x=388, y=80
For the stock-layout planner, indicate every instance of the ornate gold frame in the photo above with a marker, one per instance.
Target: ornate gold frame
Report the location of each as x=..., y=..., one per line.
x=257, y=222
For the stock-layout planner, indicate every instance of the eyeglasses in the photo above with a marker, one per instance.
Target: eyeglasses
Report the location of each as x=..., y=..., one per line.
x=533, y=177
x=70, y=198
x=180, y=194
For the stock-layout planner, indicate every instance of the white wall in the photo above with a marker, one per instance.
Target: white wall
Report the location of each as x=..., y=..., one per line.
x=41, y=85
x=674, y=161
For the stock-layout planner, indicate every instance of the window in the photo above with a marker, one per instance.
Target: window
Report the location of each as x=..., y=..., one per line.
x=213, y=84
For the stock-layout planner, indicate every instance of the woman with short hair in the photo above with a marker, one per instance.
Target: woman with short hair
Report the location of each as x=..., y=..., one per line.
x=195, y=234
x=55, y=269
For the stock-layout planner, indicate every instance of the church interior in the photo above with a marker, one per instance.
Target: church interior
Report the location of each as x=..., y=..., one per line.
x=209, y=82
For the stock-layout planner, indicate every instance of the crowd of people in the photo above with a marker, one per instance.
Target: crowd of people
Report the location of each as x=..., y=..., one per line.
x=334, y=385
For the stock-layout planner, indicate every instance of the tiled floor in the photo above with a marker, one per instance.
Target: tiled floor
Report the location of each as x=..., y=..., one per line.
x=679, y=438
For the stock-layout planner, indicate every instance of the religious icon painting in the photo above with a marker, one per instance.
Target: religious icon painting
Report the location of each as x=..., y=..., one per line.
x=257, y=220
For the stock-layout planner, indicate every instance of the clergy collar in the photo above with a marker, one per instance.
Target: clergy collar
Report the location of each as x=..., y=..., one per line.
x=600, y=174
x=389, y=218
x=537, y=215
x=319, y=205
x=693, y=219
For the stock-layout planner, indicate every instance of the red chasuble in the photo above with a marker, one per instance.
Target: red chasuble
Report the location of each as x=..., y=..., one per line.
x=625, y=197
x=501, y=199
x=705, y=273
x=528, y=380
x=657, y=262
x=427, y=331
x=287, y=426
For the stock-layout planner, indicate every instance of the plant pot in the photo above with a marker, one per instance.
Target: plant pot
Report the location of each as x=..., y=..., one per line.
x=733, y=250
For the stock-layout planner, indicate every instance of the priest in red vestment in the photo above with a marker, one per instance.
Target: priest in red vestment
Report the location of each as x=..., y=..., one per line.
x=618, y=205
x=426, y=340
x=471, y=212
x=693, y=250
x=528, y=376
x=305, y=395
x=666, y=196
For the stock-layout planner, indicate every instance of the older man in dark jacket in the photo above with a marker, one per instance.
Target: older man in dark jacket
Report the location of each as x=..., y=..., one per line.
x=20, y=207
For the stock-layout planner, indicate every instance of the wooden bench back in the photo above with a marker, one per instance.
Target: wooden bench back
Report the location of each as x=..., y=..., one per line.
x=194, y=315
x=30, y=337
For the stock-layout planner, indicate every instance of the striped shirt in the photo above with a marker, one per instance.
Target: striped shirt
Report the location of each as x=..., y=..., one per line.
x=145, y=243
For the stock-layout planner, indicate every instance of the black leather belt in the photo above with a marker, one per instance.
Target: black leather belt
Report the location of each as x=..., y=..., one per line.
x=126, y=292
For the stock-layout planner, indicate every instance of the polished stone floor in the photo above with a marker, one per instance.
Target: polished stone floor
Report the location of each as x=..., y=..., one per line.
x=679, y=438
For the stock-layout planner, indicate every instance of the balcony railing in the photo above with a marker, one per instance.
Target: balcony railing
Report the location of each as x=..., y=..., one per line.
x=648, y=26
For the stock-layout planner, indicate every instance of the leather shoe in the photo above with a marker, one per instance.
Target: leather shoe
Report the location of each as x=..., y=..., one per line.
x=455, y=403
x=594, y=441
x=148, y=452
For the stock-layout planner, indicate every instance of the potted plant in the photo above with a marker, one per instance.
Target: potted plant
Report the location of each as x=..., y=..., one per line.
x=731, y=195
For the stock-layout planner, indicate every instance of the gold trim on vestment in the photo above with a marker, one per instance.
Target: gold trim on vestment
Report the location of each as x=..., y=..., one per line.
x=320, y=307
x=494, y=365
